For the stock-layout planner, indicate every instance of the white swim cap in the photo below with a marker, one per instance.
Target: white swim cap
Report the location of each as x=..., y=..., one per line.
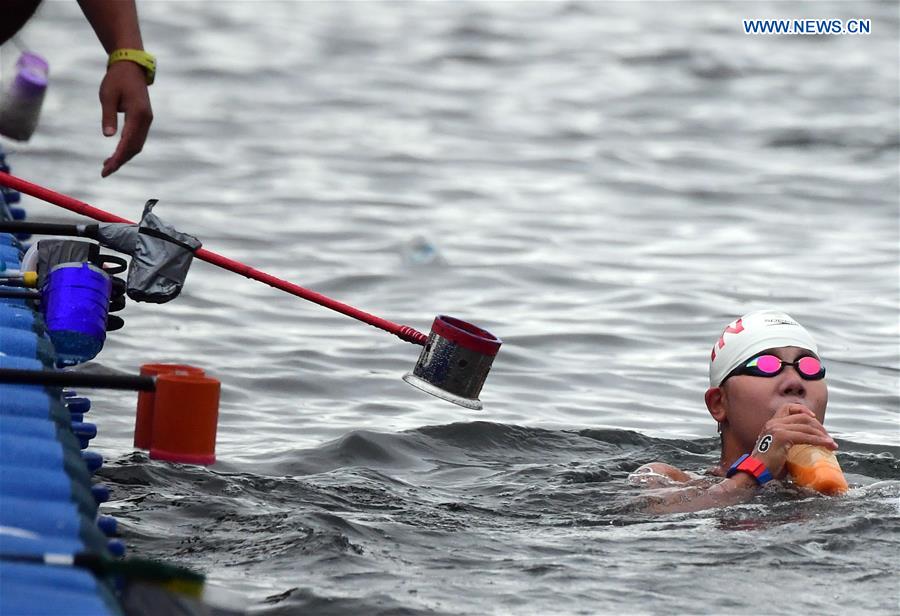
x=752, y=333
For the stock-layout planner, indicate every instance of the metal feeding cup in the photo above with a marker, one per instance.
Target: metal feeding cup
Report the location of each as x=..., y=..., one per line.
x=455, y=361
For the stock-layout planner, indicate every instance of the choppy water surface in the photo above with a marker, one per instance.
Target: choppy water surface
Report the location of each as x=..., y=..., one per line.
x=603, y=185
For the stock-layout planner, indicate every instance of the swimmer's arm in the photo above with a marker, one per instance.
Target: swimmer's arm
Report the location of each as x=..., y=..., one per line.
x=738, y=489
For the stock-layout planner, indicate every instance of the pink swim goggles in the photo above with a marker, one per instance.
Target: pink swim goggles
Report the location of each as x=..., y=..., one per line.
x=809, y=368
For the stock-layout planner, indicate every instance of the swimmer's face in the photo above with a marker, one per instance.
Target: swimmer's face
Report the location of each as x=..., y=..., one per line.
x=752, y=400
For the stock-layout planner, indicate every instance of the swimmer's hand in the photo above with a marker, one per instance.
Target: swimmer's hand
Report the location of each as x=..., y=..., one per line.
x=124, y=90
x=793, y=424
x=658, y=474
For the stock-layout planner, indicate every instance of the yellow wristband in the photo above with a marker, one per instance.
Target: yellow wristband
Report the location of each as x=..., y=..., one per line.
x=139, y=57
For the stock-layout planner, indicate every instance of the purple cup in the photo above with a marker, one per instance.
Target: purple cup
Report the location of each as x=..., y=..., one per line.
x=22, y=97
x=75, y=304
x=31, y=74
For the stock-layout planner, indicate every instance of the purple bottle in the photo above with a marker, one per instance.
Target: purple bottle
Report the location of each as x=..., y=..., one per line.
x=22, y=97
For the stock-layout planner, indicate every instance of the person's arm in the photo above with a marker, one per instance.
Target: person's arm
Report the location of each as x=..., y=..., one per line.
x=115, y=22
x=738, y=489
x=791, y=425
x=124, y=88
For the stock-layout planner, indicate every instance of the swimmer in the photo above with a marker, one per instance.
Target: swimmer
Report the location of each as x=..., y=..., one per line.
x=767, y=393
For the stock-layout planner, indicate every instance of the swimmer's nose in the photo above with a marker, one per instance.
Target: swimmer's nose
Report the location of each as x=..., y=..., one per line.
x=791, y=384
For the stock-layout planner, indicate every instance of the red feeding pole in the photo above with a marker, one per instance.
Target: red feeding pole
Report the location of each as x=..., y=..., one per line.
x=404, y=332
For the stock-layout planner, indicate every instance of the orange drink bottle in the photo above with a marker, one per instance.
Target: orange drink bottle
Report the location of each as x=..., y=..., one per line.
x=816, y=468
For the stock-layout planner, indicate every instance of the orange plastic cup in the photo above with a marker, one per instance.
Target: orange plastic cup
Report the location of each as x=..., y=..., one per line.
x=143, y=420
x=185, y=418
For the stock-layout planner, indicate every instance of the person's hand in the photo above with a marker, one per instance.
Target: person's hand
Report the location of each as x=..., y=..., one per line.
x=793, y=424
x=124, y=90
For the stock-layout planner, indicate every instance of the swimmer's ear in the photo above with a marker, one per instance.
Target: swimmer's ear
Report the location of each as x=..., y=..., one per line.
x=716, y=403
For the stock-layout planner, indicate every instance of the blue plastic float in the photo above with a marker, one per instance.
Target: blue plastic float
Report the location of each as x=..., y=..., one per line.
x=48, y=502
